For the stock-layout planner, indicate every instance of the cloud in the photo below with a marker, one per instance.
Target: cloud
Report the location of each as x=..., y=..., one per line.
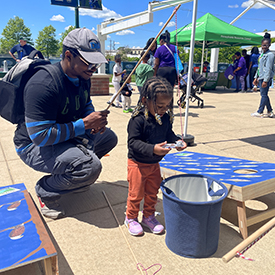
x=249, y=2
x=125, y=32
x=105, y=13
x=58, y=17
x=66, y=28
x=233, y=6
x=170, y=24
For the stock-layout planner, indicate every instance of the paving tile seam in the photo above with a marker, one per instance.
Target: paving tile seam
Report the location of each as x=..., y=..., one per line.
x=6, y=163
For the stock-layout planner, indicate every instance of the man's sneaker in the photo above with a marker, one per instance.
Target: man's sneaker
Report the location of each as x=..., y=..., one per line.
x=125, y=111
x=51, y=209
x=256, y=114
x=130, y=110
x=242, y=91
x=133, y=226
x=270, y=114
x=152, y=223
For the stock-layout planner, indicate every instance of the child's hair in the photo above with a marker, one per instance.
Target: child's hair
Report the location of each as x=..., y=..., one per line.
x=151, y=88
x=146, y=57
x=123, y=79
x=255, y=50
x=267, y=38
x=150, y=40
x=117, y=56
x=165, y=37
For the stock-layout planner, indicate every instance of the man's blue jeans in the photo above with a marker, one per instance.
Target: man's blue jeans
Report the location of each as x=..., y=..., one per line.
x=71, y=165
x=265, y=102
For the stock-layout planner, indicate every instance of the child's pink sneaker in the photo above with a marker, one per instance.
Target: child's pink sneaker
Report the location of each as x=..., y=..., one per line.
x=133, y=226
x=152, y=223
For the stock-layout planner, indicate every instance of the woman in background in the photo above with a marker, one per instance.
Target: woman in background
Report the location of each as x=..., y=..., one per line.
x=264, y=77
x=253, y=66
x=164, y=59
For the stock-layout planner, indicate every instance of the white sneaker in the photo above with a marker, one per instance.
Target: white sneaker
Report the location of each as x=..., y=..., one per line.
x=242, y=91
x=256, y=114
x=270, y=114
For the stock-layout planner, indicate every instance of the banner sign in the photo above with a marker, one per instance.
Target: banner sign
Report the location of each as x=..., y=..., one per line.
x=70, y=3
x=91, y=4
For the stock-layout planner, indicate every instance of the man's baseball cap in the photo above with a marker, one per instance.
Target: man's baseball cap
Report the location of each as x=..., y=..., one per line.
x=86, y=43
x=23, y=38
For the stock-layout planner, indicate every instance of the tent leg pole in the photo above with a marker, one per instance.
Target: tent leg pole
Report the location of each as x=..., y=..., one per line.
x=202, y=60
x=189, y=139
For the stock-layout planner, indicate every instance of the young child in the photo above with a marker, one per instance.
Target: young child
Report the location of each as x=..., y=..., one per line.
x=149, y=129
x=143, y=71
x=117, y=72
x=126, y=93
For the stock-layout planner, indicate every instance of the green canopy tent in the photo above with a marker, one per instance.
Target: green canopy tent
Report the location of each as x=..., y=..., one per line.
x=211, y=32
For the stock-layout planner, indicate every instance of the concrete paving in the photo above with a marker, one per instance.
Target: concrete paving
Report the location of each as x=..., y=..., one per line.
x=89, y=240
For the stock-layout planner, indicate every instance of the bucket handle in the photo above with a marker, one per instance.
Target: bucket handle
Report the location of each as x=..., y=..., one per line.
x=169, y=191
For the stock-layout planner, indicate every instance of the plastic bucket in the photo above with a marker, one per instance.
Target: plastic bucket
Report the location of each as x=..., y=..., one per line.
x=192, y=209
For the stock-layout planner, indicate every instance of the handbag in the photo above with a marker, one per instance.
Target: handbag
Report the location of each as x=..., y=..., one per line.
x=178, y=63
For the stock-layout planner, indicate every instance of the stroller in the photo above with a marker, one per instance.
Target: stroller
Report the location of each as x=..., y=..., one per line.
x=198, y=81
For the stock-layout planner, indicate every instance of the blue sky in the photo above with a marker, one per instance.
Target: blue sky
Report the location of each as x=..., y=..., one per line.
x=38, y=14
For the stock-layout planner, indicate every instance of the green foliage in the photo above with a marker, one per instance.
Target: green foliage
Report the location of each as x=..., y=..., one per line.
x=46, y=42
x=14, y=29
x=225, y=54
x=63, y=35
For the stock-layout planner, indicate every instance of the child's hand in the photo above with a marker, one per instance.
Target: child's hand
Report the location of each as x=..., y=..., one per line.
x=159, y=150
x=127, y=93
x=182, y=147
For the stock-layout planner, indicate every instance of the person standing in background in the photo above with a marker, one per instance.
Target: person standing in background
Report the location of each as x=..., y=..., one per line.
x=143, y=71
x=151, y=60
x=239, y=71
x=117, y=73
x=164, y=59
x=22, y=49
x=247, y=62
x=253, y=65
x=264, y=77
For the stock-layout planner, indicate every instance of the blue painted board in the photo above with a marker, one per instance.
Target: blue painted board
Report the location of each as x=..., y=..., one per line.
x=19, y=240
x=222, y=169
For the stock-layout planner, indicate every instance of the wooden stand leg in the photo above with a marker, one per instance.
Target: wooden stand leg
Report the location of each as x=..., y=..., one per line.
x=242, y=220
x=51, y=266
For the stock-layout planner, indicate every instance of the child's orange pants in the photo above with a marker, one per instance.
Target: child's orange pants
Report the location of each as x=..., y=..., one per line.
x=144, y=182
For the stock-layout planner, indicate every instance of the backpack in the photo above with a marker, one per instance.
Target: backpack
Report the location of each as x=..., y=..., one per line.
x=13, y=84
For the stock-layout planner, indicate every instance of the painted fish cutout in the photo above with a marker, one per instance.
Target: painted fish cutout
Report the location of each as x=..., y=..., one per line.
x=14, y=206
x=17, y=232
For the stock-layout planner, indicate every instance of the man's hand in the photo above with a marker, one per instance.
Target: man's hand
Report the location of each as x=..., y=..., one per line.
x=159, y=150
x=96, y=121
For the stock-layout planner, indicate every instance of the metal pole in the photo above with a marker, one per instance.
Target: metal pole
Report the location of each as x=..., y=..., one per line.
x=76, y=17
x=190, y=66
x=241, y=14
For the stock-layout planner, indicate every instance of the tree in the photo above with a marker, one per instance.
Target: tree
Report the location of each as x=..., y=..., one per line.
x=63, y=35
x=225, y=54
x=14, y=29
x=46, y=42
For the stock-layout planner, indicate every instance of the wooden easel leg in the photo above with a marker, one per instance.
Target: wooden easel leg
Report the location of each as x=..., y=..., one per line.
x=51, y=266
x=242, y=220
